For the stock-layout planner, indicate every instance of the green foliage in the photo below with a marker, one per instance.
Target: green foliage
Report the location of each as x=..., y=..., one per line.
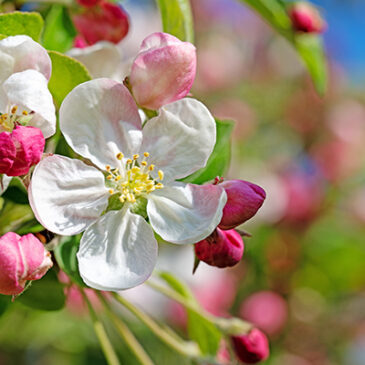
x=44, y=294
x=309, y=47
x=59, y=31
x=66, y=74
x=177, y=18
x=65, y=254
x=219, y=159
x=15, y=23
x=201, y=330
x=5, y=300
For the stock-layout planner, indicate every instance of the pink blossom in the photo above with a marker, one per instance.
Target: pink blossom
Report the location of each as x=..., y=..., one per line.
x=221, y=248
x=104, y=22
x=22, y=258
x=88, y=3
x=251, y=348
x=20, y=149
x=244, y=200
x=163, y=71
x=265, y=309
x=306, y=18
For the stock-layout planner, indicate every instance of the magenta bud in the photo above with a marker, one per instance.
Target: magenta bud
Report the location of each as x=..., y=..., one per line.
x=251, y=348
x=163, y=71
x=104, y=22
x=244, y=199
x=306, y=18
x=20, y=149
x=221, y=248
x=22, y=258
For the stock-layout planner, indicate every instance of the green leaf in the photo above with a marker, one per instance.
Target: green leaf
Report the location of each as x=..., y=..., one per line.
x=177, y=18
x=309, y=47
x=66, y=74
x=44, y=294
x=5, y=301
x=15, y=23
x=59, y=30
x=203, y=331
x=219, y=159
x=65, y=254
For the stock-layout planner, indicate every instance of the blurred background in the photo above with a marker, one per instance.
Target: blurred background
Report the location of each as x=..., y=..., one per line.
x=302, y=278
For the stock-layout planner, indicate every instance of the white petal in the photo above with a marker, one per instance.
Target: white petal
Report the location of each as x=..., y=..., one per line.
x=4, y=182
x=118, y=252
x=99, y=118
x=29, y=91
x=26, y=54
x=186, y=213
x=101, y=59
x=67, y=195
x=180, y=139
x=7, y=66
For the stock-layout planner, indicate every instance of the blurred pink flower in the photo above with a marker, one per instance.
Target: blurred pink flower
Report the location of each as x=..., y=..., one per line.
x=266, y=310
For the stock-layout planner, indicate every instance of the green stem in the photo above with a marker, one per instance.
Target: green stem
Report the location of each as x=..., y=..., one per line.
x=230, y=326
x=126, y=334
x=105, y=343
x=181, y=346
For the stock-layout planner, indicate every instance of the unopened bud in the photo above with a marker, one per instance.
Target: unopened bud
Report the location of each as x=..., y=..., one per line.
x=104, y=22
x=20, y=149
x=221, y=248
x=163, y=71
x=22, y=258
x=243, y=201
x=251, y=348
x=306, y=18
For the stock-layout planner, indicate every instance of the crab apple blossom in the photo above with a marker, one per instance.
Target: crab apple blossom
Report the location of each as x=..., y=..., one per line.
x=22, y=258
x=244, y=199
x=306, y=18
x=134, y=179
x=163, y=71
x=251, y=348
x=103, y=22
x=221, y=248
x=20, y=149
x=24, y=95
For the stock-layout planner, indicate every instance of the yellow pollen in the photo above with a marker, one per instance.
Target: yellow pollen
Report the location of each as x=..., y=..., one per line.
x=24, y=112
x=160, y=174
x=134, y=180
x=14, y=109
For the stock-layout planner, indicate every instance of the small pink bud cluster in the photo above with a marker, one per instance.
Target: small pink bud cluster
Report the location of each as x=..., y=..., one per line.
x=100, y=20
x=224, y=247
x=163, y=71
x=251, y=348
x=22, y=258
x=20, y=149
x=306, y=18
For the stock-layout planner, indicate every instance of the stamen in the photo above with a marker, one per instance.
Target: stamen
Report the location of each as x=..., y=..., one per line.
x=160, y=174
x=14, y=109
x=120, y=156
x=146, y=154
x=151, y=168
x=135, y=157
x=111, y=191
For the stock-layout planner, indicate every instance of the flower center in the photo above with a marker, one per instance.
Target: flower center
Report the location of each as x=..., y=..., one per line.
x=9, y=119
x=135, y=181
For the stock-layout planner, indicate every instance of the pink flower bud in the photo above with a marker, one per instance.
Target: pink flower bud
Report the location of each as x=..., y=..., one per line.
x=251, y=348
x=88, y=3
x=243, y=201
x=221, y=248
x=163, y=71
x=104, y=22
x=22, y=258
x=20, y=149
x=306, y=18
x=79, y=42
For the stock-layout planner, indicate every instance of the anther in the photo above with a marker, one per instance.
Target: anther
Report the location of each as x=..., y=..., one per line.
x=107, y=167
x=24, y=112
x=144, y=163
x=14, y=109
x=120, y=155
x=146, y=154
x=160, y=174
x=151, y=167
x=135, y=157
x=111, y=191
x=129, y=161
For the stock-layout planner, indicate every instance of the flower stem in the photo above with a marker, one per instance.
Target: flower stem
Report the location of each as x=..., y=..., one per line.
x=105, y=343
x=126, y=334
x=181, y=346
x=231, y=326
